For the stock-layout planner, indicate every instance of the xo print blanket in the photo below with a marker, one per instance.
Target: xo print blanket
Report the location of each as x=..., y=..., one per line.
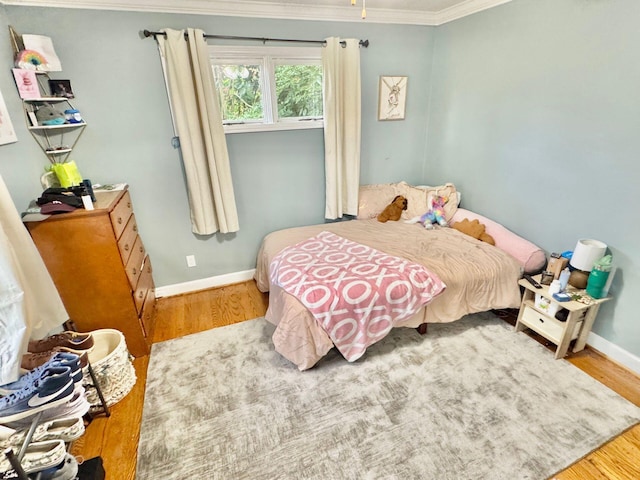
x=356, y=293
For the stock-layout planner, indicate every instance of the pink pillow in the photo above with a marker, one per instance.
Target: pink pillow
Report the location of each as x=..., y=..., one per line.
x=530, y=256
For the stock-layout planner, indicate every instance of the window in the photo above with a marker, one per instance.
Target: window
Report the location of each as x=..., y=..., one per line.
x=268, y=88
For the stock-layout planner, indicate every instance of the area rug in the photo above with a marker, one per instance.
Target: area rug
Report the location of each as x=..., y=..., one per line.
x=470, y=400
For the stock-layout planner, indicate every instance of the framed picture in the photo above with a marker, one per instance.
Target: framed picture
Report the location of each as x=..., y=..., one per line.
x=392, y=99
x=26, y=82
x=61, y=88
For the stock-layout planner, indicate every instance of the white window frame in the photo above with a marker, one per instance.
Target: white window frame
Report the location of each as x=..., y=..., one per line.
x=268, y=57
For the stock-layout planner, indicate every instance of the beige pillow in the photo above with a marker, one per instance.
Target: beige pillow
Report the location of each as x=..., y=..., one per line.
x=416, y=200
x=372, y=199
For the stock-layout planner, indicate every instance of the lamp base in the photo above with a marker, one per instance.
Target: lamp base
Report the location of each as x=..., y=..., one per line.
x=578, y=279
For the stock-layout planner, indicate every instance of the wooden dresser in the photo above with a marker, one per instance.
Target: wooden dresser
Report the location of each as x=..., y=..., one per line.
x=100, y=267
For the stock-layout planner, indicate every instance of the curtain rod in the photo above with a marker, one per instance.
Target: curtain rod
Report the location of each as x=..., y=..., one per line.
x=363, y=43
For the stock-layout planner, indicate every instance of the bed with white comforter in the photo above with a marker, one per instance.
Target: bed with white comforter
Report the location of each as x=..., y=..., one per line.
x=478, y=277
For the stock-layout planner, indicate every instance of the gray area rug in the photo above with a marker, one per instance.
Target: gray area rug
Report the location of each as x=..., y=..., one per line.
x=470, y=400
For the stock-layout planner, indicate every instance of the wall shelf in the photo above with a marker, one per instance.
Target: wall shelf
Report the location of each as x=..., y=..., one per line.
x=56, y=141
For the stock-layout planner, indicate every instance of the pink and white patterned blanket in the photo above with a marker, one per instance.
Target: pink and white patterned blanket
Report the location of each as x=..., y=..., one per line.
x=356, y=293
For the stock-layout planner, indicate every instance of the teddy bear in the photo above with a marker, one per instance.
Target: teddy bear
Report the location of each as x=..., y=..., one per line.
x=474, y=229
x=435, y=214
x=393, y=211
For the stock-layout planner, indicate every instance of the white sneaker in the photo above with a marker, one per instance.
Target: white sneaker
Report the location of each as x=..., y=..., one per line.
x=38, y=456
x=66, y=429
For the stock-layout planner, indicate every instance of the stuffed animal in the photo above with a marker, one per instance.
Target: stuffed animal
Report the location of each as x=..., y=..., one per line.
x=474, y=229
x=47, y=115
x=435, y=214
x=393, y=211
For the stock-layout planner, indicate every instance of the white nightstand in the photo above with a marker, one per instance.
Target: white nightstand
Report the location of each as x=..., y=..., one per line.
x=577, y=325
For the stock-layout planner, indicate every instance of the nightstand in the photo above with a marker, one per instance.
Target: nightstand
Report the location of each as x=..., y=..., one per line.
x=581, y=315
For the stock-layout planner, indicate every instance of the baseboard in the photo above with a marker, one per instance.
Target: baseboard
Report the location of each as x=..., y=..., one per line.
x=614, y=352
x=204, y=283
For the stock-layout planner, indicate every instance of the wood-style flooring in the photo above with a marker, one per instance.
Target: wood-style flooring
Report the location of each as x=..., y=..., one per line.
x=115, y=438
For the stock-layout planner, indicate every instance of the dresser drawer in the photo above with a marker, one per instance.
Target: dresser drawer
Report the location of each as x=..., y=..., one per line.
x=148, y=314
x=135, y=263
x=127, y=239
x=120, y=214
x=145, y=283
x=546, y=326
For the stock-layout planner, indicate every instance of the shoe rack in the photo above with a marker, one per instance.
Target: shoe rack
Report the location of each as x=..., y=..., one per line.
x=16, y=459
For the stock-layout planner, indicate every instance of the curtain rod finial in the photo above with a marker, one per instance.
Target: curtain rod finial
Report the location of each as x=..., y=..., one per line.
x=145, y=33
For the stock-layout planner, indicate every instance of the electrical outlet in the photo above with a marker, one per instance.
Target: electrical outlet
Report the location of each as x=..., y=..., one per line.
x=191, y=260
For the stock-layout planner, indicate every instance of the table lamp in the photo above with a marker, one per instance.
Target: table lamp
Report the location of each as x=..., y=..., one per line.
x=587, y=251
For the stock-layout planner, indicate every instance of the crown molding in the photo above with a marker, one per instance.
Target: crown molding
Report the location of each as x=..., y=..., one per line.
x=466, y=8
x=273, y=9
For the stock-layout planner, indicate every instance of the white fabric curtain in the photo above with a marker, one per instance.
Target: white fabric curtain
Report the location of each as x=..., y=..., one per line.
x=341, y=91
x=30, y=306
x=198, y=124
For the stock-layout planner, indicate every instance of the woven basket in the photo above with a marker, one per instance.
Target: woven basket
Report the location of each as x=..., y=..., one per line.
x=112, y=367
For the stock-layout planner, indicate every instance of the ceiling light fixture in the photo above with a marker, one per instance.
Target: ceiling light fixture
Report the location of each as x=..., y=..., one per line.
x=364, y=7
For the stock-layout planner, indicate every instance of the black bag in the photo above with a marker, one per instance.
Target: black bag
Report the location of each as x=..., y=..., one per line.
x=91, y=469
x=68, y=196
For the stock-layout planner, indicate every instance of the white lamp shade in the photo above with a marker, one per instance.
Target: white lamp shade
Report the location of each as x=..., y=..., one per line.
x=587, y=251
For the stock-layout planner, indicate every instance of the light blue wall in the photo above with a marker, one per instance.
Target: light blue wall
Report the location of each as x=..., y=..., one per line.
x=278, y=177
x=535, y=115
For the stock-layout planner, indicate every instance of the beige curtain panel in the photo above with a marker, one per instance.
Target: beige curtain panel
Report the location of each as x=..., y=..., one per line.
x=342, y=119
x=30, y=306
x=198, y=124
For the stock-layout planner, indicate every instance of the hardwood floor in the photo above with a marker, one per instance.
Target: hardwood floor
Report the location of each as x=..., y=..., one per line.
x=115, y=438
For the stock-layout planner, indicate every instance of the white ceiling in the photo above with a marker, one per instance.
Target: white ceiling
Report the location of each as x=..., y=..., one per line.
x=413, y=12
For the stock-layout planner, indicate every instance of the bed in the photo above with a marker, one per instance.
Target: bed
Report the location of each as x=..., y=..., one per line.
x=478, y=276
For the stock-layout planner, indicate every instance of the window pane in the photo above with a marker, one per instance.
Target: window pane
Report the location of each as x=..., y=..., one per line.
x=299, y=90
x=239, y=91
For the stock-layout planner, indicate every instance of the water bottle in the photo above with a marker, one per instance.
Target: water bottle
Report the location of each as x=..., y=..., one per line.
x=564, y=279
x=597, y=280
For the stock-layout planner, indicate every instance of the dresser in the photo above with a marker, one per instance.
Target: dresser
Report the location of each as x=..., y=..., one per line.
x=100, y=267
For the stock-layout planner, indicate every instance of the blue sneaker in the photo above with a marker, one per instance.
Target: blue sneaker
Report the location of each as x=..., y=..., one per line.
x=54, y=387
x=60, y=359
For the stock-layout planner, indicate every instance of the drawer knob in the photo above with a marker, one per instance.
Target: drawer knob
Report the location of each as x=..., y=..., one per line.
x=134, y=271
x=120, y=220
x=128, y=204
x=141, y=249
x=135, y=228
x=140, y=295
x=126, y=247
